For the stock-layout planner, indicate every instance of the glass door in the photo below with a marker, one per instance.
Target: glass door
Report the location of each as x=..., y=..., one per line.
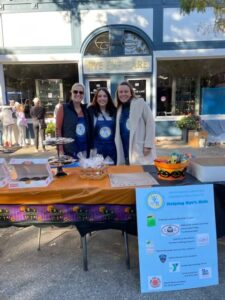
x=141, y=87
x=49, y=91
x=93, y=84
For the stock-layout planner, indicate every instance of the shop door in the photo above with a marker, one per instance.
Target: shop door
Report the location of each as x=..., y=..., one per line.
x=49, y=91
x=93, y=84
x=141, y=87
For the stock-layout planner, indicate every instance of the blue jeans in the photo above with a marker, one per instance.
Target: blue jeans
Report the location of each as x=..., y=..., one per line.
x=29, y=131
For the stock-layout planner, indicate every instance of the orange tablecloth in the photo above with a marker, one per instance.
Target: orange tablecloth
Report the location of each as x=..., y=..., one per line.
x=72, y=189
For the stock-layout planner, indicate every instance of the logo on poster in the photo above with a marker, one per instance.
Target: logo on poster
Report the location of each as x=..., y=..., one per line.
x=202, y=239
x=150, y=247
x=151, y=221
x=162, y=258
x=155, y=201
x=205, y=273
x=155, y=282
x=169, y=230
x=174, y=266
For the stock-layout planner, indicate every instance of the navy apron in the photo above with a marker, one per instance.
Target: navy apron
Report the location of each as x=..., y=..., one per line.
x=104, y=134
x=80, y=136
x=125, y=130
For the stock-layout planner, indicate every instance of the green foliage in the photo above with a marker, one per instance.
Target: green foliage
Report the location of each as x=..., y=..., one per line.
x=187, y=6
x=50, y=129
x=189, y=122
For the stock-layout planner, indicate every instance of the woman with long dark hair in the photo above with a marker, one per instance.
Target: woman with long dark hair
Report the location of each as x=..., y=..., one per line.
x=103, y=112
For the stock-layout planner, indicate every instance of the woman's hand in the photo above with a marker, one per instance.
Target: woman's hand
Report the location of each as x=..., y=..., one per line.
x=147, y=151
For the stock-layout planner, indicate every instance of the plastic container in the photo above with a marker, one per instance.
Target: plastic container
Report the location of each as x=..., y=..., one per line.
x=93, y=173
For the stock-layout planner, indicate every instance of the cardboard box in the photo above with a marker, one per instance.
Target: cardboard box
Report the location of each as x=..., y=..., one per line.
x=28, y=173
x=4, y=173
x=195, y=136
x=208, y=169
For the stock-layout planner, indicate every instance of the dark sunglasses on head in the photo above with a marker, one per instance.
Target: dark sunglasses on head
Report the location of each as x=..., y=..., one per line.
x=78, y=92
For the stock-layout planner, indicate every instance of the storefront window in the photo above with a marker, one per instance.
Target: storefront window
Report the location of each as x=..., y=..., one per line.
x=99, y=45
x=181, y=85
x=139, y=87
x=49, y=82
x=134, y=45
x=119, y=41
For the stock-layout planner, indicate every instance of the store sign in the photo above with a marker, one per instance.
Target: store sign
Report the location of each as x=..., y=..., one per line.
x=177, y=242
x=134, y=64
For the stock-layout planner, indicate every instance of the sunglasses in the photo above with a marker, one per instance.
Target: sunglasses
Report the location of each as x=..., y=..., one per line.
x=78, y=92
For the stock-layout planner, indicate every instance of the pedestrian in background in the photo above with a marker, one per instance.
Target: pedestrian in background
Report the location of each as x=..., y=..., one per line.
x=22, y=124
x=1, y=131
x=7, y=123
x=103, y=119
x=37, y=113
x=13, y=104
x=135, y=128
x=29, y=128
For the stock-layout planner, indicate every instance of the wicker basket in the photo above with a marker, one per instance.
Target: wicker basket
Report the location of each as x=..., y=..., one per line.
x=170, y=171
x=93, y=173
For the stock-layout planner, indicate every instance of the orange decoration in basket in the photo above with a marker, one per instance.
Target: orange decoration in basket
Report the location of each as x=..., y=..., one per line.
x=170, y=171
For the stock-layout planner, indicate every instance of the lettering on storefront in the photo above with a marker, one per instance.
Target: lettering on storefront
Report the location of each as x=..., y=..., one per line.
x=117, y=65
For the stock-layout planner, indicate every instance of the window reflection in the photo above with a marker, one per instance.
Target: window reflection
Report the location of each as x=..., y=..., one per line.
x=49, y=82
x=180, y=84
x=139, y=87
x=106, y=44
x=99, y=45
x=134, y=45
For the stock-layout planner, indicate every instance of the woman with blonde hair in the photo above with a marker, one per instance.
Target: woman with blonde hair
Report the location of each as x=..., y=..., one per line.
x=72, y=121
x=22, y=124
x=135, y=128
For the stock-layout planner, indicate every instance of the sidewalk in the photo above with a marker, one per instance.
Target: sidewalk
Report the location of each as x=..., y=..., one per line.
x=166, y=147
x=56, y=272
x=163, y=148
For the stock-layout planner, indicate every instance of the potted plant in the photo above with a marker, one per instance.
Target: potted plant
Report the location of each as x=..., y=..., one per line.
x=50, y=129
x=186, y=123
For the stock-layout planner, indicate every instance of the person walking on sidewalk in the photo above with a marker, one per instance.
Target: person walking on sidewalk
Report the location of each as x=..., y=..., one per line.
x=29, y=128
x=37, y=113
x=7, y=124
x=22, y=124
x=15, y=128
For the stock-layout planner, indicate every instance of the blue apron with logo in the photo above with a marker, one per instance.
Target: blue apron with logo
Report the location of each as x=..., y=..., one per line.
x=80, y=136
x=125, y=130
x=104, y=134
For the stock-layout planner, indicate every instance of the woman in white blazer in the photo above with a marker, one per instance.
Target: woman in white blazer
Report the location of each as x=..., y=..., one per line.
x=135, y=128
